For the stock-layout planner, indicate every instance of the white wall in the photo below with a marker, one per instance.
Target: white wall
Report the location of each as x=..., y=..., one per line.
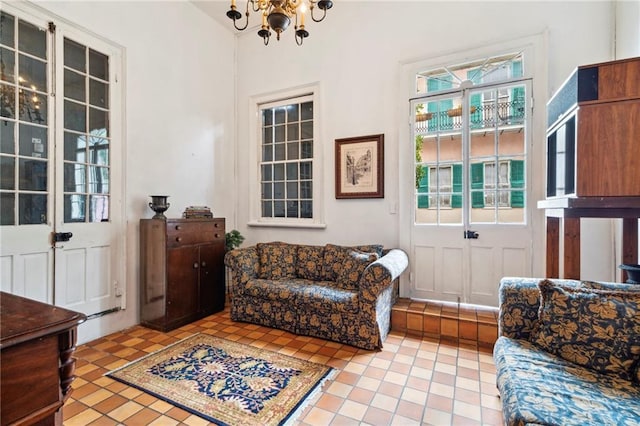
x=182, y=133
x=356, y=55
x=179, y=116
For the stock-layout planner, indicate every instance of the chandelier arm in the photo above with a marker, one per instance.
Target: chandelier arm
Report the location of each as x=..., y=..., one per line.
x=255, y=5
x=246, y=23
x=324, y=14
x=299, y=40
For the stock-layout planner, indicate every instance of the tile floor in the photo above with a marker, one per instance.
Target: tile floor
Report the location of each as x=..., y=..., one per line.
x=413, y=380
x=470, y=324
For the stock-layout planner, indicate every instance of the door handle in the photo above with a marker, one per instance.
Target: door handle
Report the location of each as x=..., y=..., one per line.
x=472, y=235
x=59, y=237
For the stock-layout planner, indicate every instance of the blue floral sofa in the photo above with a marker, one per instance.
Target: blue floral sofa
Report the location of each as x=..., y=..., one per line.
x=568, y=352
x=333, y=292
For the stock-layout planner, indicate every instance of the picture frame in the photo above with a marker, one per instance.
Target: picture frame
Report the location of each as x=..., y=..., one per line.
x=360, y=167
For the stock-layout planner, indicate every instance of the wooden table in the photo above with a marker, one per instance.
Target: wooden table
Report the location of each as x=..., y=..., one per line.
x=563, y=215
x=37, y=367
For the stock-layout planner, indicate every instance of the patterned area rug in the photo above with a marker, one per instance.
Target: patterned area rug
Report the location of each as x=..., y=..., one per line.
x=225, y=382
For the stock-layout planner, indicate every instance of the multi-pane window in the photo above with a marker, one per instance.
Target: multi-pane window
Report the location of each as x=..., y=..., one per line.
x=86, y=134
x=496, y=184
x=24, y=122
x=440, y=181
x=286, y=159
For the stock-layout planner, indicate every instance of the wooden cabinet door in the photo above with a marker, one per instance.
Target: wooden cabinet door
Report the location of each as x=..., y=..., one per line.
x=212, y=288
x=183, y=270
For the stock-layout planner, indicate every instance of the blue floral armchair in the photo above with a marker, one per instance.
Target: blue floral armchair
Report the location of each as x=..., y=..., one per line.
x=333, y=292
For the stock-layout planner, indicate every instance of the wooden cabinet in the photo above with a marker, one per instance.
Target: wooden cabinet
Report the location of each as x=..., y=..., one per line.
x=593, y=160
x=593, y=129
x=181, y=270
x=37, y=341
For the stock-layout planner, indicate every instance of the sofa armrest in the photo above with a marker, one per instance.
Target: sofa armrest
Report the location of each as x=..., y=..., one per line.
x=519, y=300
x=244, y=264
x=381, y=273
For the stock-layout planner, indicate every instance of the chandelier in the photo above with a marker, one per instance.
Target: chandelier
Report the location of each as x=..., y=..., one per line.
x=277, y=15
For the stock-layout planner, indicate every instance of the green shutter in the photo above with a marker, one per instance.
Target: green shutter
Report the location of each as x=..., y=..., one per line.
x=517, y=181
x=475, y=101
x=477, y=185
x=456, y=197
x=446, y=122
x=517, y=94
x=423, y=189
x=475, y=116
x=440, y=120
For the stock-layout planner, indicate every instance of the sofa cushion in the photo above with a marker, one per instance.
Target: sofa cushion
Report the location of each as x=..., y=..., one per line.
x=353, y=265
x=335, y=255
x=537, y=387
x=596, y=329
x=277, y=260
x=594, y=285
x=310, y=262
x=325, y=297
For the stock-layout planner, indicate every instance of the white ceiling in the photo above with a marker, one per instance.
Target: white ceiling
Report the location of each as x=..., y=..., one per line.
x=217, y=9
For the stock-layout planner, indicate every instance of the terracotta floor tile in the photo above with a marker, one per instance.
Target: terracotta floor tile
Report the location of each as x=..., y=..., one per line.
x=71, y=408
x=385, y=402
x=143, y=417
x=435, y=417
x=110, y=404
x=330, y=402
x=125, y=411
x=439, y=402
x=410, y=410
x=469, y=411
x=84, y=390
x=353, y=410
x=375, y=372
x=318, y=416
x=444, y=378
x=360, y=395
x=83, y=418
x=415, y=396
x=340, y=420
x=376, y=416
x=178, y=414
x=467, y=396
x=417, y=383
x=369, y=383
x=96, y=397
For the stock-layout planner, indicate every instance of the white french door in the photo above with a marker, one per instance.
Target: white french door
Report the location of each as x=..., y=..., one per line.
x=469, y=222
x=61, y=188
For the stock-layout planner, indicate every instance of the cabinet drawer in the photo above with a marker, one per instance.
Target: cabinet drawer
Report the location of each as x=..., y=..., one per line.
x=196, y=232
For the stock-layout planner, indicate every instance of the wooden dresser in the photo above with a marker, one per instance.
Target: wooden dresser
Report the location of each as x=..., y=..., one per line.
x=181, y=270
x=37, y=367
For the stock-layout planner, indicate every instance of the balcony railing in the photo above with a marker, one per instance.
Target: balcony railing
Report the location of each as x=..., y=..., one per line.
x=489, y=115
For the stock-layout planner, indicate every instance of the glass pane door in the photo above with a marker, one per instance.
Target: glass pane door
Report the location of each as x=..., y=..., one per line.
x=86, y=134
x=497, y=155
x=24, y=123
x=438, y=170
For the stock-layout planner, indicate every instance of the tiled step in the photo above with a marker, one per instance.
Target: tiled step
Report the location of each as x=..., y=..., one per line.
x=470, y=324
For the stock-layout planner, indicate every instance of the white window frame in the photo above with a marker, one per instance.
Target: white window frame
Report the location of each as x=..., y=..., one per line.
x=503, y=185
x=438, y=190
x=256, y=103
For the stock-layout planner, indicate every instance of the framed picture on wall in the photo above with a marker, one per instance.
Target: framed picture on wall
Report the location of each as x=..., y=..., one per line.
x=360, y=167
